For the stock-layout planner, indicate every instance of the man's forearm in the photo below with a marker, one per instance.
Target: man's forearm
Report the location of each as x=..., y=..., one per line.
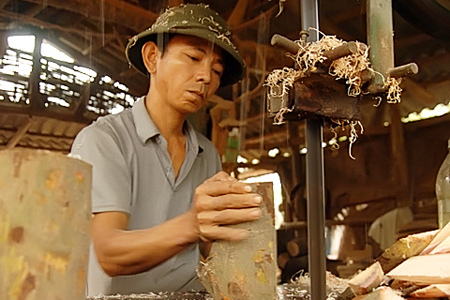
x=131, y=252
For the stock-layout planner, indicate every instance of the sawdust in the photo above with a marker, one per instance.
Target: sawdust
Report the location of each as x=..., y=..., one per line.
x=309, y=58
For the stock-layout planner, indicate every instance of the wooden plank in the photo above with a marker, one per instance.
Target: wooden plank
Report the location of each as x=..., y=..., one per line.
x=443, y=234
x=245, y=270
x=383, y=293
x=432, y=291
x=424, y=269
x=45, y=216
x=443, y=247
x=405, y=248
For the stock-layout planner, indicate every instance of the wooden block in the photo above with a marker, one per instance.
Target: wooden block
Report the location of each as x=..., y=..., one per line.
x=433, y=291
x=367, y=280
x=45, y=216
x=382, y=293
x=424, y=269
x=245, y=270
x=443, y=234
x=405, y=248
x=443, y=247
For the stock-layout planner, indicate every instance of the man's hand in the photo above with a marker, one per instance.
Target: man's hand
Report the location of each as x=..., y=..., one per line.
x=222, y=200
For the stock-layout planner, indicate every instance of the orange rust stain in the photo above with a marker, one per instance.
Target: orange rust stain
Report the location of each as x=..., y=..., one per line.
x=52, y=179
x=81, y=279
x=28, y=285
x=224, y=297
x=16, y=234
x=41, y=197
x=79, y=177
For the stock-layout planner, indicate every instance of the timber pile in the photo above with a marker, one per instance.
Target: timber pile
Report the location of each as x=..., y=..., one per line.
x=417, y=266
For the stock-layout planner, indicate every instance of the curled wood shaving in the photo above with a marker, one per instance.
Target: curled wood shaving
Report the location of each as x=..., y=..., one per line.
x=348, y=68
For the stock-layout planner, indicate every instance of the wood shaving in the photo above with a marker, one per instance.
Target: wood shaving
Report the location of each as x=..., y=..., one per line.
x=348, y=68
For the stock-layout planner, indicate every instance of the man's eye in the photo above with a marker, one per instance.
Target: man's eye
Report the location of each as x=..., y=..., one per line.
x=193, y=58
x=217, y=72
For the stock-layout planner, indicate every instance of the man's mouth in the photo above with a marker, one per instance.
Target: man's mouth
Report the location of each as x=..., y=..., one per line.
x=200, y=94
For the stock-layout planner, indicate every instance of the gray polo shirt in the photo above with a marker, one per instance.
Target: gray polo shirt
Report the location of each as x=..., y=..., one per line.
x=133, y=173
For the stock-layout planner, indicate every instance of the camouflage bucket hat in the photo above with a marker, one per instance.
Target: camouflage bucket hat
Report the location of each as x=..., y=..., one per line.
x=195, y=20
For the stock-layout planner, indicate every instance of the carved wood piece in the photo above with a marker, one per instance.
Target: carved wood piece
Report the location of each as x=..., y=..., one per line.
x=245, y=270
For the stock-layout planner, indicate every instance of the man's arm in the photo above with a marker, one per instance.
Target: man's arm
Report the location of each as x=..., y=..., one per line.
x=217, y=202
x=122, y=252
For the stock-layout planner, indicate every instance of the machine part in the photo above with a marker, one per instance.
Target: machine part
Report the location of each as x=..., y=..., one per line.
x=315, y=177
x=321, y=96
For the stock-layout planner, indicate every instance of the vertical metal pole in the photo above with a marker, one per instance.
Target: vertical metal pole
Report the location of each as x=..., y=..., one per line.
x=380, y=37
x=315, y=178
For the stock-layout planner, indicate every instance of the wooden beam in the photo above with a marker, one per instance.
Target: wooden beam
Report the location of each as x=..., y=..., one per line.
x=115, y=11
x=33, y=11
x=255, y=21
x=329, y=27
x=420, y=92
x=358, y=10
x=32, y=136
x=36, y=22
x=238, y=13
x=3, y=3
x=175, y=2
x=20, y=133
x=399, y=161
x=119, y=39
x=50, y=113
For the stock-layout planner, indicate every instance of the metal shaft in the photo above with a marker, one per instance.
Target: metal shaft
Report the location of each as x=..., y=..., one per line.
x=314, y=177
x=380, y=38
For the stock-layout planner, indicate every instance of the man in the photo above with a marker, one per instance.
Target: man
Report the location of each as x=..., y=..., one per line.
x=158, y=193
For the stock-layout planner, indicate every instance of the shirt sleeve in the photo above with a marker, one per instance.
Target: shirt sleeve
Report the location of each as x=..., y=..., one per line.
x=111, y=176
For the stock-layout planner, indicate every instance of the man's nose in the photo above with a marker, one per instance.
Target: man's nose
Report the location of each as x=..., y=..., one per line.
x=204, y=72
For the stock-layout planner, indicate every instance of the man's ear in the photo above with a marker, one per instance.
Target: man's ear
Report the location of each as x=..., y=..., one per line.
x=150, y=53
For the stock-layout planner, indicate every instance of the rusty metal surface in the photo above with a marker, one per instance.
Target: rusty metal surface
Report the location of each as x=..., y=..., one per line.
x=324, y=96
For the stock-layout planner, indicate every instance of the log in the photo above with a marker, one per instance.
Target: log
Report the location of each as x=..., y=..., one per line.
x=405, y=248
x=282, y=259
x=424, y=269
x=297, y=247
x=245, y=270
x=433, y=291
x=382, y=293
x=45, y=215
x=439, y=238
x=367, y=280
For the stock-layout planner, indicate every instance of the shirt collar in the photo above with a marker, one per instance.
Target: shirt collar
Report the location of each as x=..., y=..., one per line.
x=146, y=128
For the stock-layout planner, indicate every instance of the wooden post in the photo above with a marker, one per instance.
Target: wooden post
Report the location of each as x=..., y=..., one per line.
x=45, y=217
x=245, y=270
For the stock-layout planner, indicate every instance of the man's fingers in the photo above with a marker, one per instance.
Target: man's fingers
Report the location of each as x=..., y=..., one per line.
x=229, y=201
x=221, y=176
x=217, y=188
x=228, y=216
x=225, y=233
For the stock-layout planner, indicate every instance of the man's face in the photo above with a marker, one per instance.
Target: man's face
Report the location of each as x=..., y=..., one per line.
x=188, y=73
